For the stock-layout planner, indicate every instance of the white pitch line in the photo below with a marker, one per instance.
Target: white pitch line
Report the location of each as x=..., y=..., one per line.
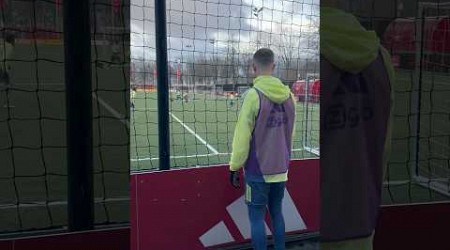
x=192, y=156
x=438, y=187
x=395, y=183
x=146, y=109
x=211, y=148
x=313, y=150
x=61, y=203
x=178, y=157
x=112, y=110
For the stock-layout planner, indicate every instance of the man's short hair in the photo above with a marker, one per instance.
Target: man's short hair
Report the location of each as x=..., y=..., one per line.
x=264, y=57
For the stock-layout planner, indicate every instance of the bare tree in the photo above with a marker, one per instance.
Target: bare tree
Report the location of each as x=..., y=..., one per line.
x=296, y=50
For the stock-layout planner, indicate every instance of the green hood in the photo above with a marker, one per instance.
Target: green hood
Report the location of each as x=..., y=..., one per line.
x=344, y=42
x=272, y=88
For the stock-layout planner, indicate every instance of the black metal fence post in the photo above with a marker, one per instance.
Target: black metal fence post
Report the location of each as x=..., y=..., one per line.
x=163, y=84
x=419, y=98
x=77, y=47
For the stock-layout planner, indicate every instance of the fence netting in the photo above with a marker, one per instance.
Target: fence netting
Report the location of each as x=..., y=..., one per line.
x=417, y=37
x=210, y=48
x=33, y=167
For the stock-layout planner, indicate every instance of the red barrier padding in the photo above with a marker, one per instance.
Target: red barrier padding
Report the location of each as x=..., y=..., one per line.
x=173, y=209
x=197, y=208
x=112, y=239
x=414, y=227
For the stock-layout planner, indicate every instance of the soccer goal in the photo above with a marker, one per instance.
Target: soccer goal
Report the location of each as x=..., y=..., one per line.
x=431, y=167
x=308, y=111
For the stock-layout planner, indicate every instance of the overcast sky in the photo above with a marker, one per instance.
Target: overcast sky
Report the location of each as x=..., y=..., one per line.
x=207, y=26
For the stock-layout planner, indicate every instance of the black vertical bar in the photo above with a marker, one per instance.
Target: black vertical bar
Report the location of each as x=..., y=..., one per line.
x=163, y=84
x=419, y=101
x=306, y=109
x=77, y=48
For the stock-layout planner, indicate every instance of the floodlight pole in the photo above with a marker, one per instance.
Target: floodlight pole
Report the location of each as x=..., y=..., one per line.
x=256, y=13
x=163, y=84
x=213, y=42
x=178, y=72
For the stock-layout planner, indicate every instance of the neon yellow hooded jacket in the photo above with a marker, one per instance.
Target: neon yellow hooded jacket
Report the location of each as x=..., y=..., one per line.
x=277, y=92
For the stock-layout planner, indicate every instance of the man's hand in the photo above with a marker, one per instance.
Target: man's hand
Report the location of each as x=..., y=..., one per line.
x=234, y=179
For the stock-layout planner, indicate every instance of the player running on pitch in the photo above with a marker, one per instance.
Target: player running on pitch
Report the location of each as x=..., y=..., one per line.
x=186, y=97
x=132, y=96
x=232, y=100
x=178, y=95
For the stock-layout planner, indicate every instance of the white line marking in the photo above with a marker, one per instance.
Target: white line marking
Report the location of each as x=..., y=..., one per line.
x=438, y=187
x=57, y=232
x=193, y=156
x=217, y=165
x=313, y=150
x=211, y=148
x=112, y=110
x=395, y=183
x=60, y=203
x=146, y=109
x=178, y=157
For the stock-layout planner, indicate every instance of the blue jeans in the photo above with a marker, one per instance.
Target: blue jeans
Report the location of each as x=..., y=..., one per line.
x=258, y=196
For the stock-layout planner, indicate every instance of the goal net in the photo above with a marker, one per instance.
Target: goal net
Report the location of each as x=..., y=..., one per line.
x=432, y=82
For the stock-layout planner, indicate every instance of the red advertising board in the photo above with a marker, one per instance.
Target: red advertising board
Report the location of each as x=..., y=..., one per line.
x=400, y=35
x=304, y=92
x=196, y=208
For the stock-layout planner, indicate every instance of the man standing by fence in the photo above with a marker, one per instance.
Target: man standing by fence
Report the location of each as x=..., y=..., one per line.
x=262, y=146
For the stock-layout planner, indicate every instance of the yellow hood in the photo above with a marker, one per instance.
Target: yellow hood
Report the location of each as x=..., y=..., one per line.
x=344, y=42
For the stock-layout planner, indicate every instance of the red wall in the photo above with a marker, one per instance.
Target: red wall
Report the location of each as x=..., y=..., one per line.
x=411, y=227
x=414, y=227
x=177, y=209
x=113, y=239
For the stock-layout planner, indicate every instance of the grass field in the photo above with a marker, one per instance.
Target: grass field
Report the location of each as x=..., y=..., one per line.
x=202, y=131
x=33, y=145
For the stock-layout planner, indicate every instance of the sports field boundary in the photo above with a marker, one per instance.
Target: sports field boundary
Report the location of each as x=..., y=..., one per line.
x=213, y=152
x=208, y=155
x=312, y=150
x=114, y=112
x=60, y=203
